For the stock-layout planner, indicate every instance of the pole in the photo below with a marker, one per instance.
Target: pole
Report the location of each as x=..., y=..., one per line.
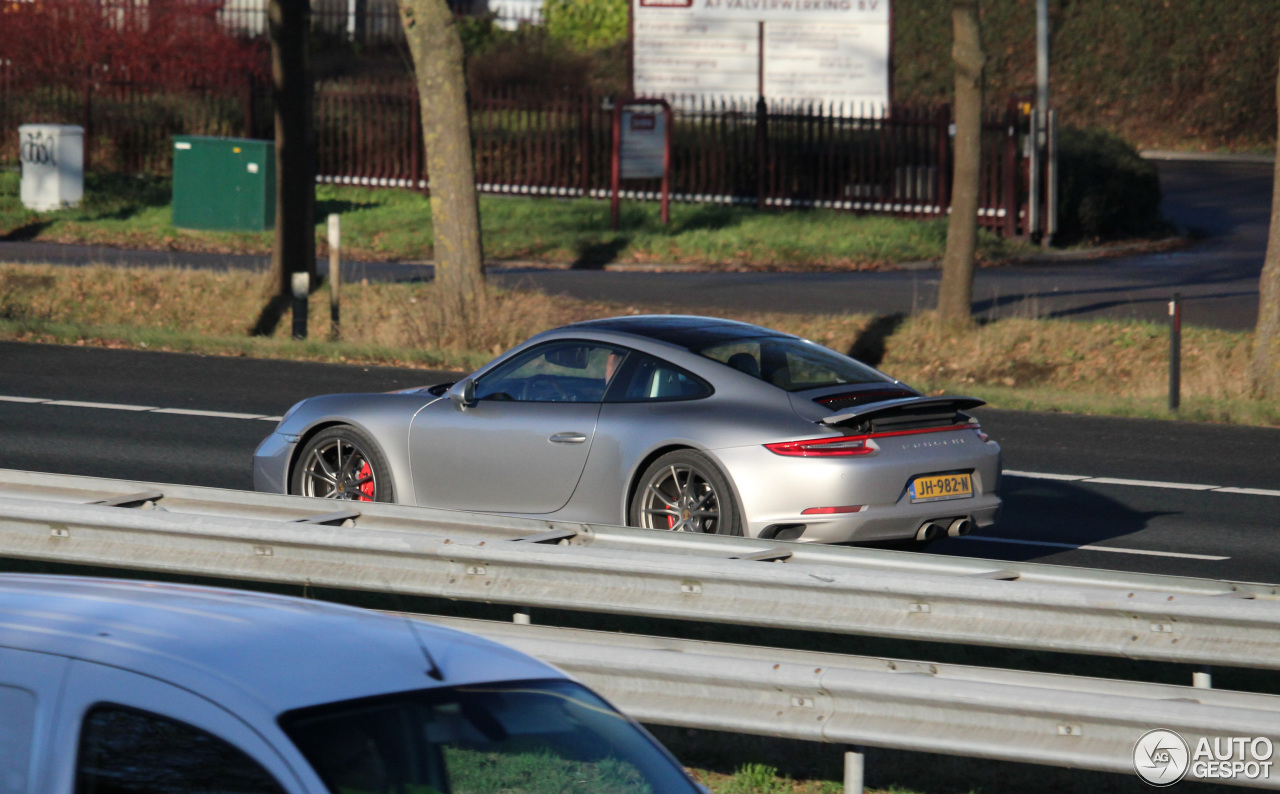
x=301, y=284
x=615, y=176
x=854, y=765
x=1175, y=351
x=1051, y=182
x=1040, y=120
x=335, y=277
x=665, y=208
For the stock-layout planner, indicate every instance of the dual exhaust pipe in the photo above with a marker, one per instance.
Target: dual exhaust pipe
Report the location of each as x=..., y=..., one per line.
x=953, y=528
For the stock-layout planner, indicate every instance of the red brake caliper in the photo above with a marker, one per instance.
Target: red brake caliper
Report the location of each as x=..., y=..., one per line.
x=366, y=489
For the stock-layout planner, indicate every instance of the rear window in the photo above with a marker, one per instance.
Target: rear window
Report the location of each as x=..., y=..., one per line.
x=789, y=363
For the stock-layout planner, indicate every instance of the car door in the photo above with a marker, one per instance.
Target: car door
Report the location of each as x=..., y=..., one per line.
x=521, y=447
x=118, y=730
x=29, y=686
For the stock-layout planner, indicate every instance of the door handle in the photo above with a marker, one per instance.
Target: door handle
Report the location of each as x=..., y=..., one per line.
x=568, y=438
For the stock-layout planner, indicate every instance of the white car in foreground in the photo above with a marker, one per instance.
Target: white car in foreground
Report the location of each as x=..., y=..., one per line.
x=111, y=686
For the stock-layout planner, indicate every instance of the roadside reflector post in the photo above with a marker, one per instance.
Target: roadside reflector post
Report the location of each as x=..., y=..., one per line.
x=1203, y=678
x=854, y=764
x=1175, y=351
x=335, y=277
x=301, y=288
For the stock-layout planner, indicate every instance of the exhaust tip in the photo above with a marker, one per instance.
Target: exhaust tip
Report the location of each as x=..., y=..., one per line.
x=960, y=527
x=929, y=531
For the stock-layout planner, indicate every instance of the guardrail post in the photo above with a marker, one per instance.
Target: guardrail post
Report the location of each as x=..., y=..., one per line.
x=1175, y=351
x=853, y=767
x=335, y=277
x=523, y=616
x=1203, y=678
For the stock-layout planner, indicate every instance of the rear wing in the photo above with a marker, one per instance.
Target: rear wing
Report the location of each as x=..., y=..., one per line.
x=905, y=413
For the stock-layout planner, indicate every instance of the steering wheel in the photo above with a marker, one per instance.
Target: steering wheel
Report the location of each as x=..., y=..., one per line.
x=545, y=388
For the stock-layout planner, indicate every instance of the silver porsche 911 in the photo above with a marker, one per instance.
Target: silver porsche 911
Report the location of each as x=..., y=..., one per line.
x=690, y=424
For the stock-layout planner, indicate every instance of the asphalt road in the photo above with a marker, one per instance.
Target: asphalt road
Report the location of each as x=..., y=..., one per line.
x=1225, y=204
x=1147, y=528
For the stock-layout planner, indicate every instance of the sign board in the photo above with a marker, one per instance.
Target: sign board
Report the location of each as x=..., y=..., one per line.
x=833, y=51
x=642, y=150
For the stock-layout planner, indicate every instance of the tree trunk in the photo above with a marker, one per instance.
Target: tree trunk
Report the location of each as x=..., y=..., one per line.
x=446, y=131
x=955, y=296
x=1266, y=350
x=294, y=250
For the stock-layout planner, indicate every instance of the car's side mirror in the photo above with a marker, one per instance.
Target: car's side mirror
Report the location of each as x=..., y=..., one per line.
x=463, y=393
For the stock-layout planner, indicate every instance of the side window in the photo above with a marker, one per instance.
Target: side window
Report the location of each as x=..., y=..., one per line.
x=644, y=378
x=125, y=751
x=555, y=372
x=17, y=724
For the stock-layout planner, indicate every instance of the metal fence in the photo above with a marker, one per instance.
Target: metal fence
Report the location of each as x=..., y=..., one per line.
x=985, y=712
x=775, y=154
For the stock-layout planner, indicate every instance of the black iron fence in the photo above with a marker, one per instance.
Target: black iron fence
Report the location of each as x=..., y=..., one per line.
x=766, y=154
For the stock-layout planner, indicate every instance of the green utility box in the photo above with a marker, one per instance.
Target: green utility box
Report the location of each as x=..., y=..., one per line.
x=223, y=183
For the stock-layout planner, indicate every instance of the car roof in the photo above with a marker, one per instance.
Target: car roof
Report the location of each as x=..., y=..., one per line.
x=682, y=330
x=275, y=652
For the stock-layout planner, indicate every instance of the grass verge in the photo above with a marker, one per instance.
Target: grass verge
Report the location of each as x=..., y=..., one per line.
x=382, y=224
x=1099, y=367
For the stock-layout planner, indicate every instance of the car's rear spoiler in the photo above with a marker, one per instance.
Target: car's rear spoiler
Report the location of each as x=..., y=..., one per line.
x=918, y=411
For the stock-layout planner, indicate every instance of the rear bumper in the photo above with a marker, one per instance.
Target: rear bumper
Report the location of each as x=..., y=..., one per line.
x=775, y=490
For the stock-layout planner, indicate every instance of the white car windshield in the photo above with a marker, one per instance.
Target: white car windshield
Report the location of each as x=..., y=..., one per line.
x=528, y=737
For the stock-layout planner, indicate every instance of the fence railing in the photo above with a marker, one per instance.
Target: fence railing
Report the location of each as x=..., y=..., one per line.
x=984, y=712
x=775, y=154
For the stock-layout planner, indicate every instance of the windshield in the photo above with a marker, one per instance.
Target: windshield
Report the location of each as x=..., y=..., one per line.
x=789, y=363
x=529, y=737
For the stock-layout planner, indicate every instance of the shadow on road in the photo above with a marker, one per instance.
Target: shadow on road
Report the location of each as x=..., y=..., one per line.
x=1052, y=512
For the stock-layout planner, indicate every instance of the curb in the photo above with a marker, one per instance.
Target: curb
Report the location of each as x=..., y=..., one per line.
x=1208, y=157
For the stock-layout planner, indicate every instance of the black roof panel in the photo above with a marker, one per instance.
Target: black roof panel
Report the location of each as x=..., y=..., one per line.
x=687, y=331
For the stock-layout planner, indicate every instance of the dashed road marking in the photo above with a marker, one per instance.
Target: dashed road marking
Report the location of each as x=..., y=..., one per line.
x=137, y=408
x=1180, y=486
x=1091, y=547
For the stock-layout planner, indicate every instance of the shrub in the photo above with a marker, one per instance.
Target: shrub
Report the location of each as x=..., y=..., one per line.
x=1106, y=189
x=586, y=24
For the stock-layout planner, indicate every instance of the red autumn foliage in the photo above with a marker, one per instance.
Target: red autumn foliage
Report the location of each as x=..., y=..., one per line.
x=157, y=42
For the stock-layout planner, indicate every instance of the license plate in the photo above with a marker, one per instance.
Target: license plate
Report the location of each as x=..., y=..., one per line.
x=941, y=486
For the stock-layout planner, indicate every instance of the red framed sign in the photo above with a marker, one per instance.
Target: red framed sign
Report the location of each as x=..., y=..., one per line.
x=641, y=149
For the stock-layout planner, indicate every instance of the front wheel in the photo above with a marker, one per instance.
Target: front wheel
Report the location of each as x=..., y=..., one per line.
x=684, y=491
x=342, y=463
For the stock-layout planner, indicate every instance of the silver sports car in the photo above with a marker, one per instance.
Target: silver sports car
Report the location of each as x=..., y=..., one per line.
x=691, y=424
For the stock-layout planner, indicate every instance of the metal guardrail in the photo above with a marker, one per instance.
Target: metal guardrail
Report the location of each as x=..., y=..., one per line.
x=1006, y=715
x=465, y=556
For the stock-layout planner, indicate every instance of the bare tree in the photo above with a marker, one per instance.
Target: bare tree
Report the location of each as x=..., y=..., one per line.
x=294, y=250
x=438, y=61
x=955, y=295
x=1266, y=350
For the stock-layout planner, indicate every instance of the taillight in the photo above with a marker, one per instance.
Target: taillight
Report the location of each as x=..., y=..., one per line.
x=840, y=447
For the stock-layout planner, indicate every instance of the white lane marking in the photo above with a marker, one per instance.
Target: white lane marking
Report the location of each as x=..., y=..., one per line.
x=1090, y=547
x=108, y=406
x=1181, y=486
x=137, y=408
x=1038, y=475
x=1250, y=491
x=215, y=414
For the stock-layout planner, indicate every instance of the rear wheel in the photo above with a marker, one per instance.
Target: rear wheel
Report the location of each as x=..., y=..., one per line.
x=684, y=491
x=342, y=463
